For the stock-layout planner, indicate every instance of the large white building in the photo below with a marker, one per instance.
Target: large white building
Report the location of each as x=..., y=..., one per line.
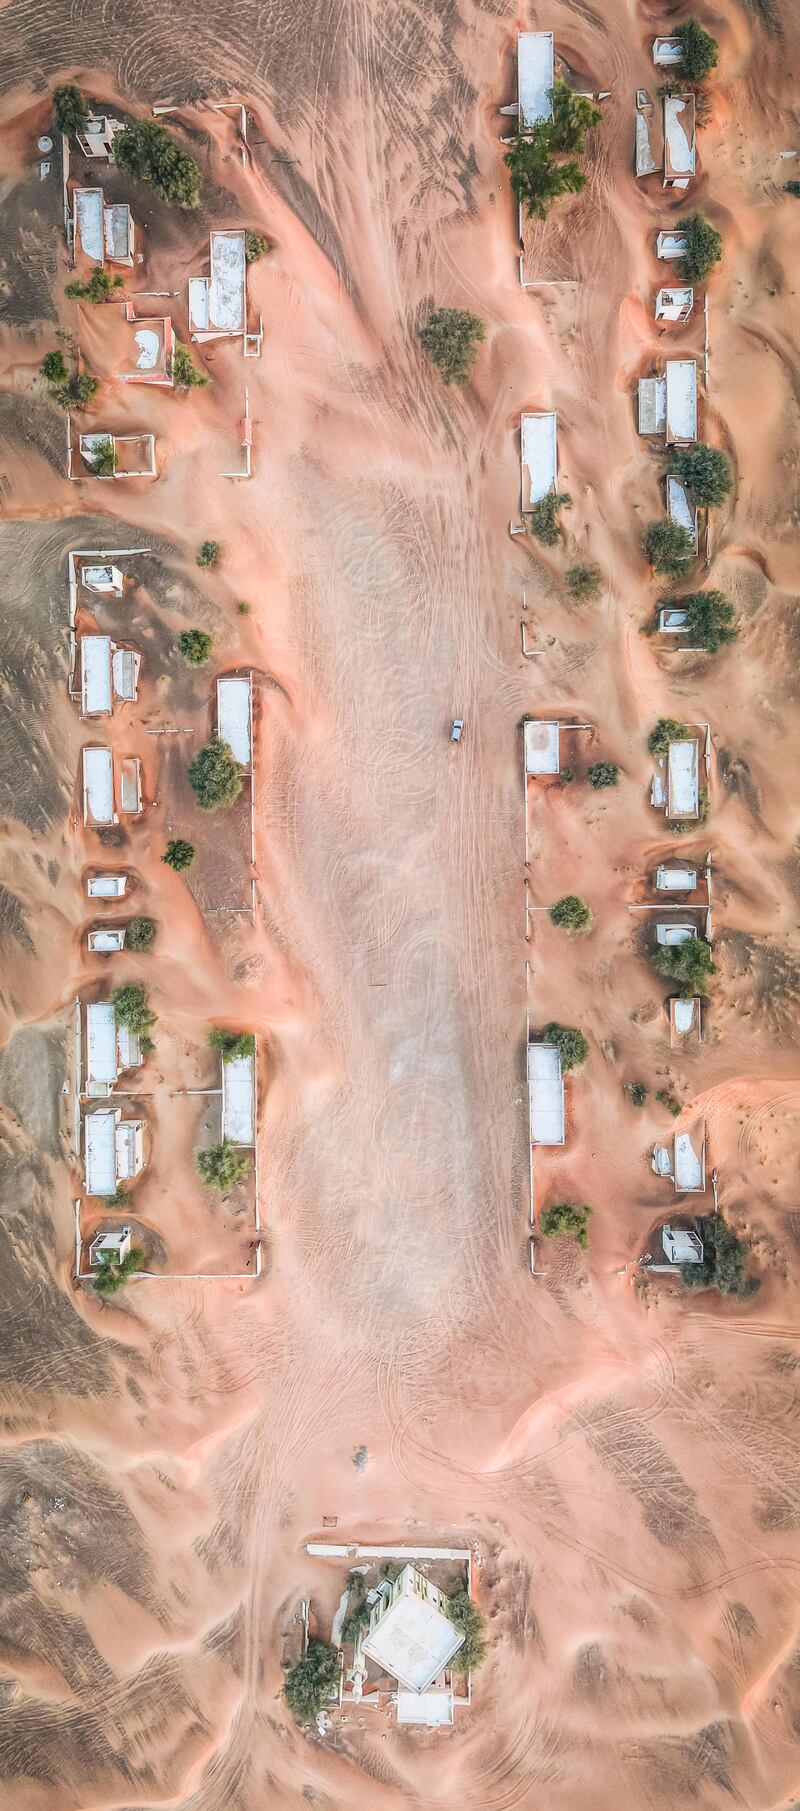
x=410, y=1634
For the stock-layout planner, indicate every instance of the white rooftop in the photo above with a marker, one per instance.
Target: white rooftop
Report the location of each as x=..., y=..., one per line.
x=674, y=933
x=674, y=304
x=679, y=508
x=685, y=1015
x=689, y=1161
x=679, y=158
x=98, y=785
x=667, y=52
x=539, y=457
x=96, y=697
x=102, y=578
x=101, y=1045
x=672, y=620
x=545, y=1094
x=99, y=1147
x=652, y=404
x=683, y=778
x=106, y=886
x=676, y=877
x=681, y=376
x=87, y=215
x=681, y=1246
x=413, y=1640
x=434, y=1710
x=238, y=1099
x=535, y=76
x=234, y=717
x=670, y=244
x=542, y=747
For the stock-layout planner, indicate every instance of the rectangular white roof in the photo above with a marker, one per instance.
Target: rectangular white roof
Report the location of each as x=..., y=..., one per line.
x=106, y=939
x=690, y=1160
x=96, y=699
x=102, y=578
x=434, y=1710
x=681, y=375
x=667, y=52
x=646, y=163
x=673, y=304
x=684, y=1015
x=98, y=785
x=234, y=717
x=542, y=747
x=673, y=621
x=681, y=1246
x=535, y=76
x=674, y=932
x=679, y=157
x=118, y=232
x=106, y=886
x=683, y=778
x=238, y=1099
x=652, y=405
x=670, y=244
x=414, y=1640
x=129, y=1049
x=545, y=1094
x=125, y=673
x=226, y=288
x=676, y=877
x=679, y=508
x=87, y=215
x=128, y=1149
x=101, y=1043
x=539, y=457
x=99, y=1147
x=130, y=784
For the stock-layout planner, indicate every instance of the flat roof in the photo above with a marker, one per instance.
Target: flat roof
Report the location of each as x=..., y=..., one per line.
x=679, y=508
x=102, y=578
x=681, y=1246
x=87, y=214
x=652, y=405
x=226, y=287
x=96, y=696
x=683, y=778
x=535, y=76
x=542, y=746
x=107, y=938
x=545, y=1094
x=98, y=784
x=681, y=375
x=117, y=231
x=679, y=155
x=101, y=1042
x=539, y=456
x=684, y=1015
x=106, y=886
x=413, y=1641
x=130, y=784
x=234, y=717
x=667, y=51
x=434, y=1710
x=238, y=1099
x=99, y=1145
x=670, y=244
x=676, y=877
x=689, y=1160
x=672, y=303
x=149, y=350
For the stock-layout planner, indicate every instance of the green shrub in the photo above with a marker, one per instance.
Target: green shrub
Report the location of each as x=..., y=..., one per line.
x=243, y=609
x=150, y=153
x=583, y=582
x=667, y=1099
x=311, y=1684
x=70, y=109
x=637, y=1092
x=710, y=620
x=669, y=547
x=131, y=1009
x=119, y=1197
x=543, y=516
x=451, y=339
x=98, y=288
x=196, y=646
x=603, y=773
x=568, y=1219
x=231, y=1043
x=103, y=458
x=140, y=934
x=667, y=730
x=566, y=776
x=705, y=473
x=724, y=1261
x=112, y=1273
x=223, y=1165
x=178, y=854
x=356, y=1615
x=689, y=964
x=209, y=553
x=699, y=51
x=255, y=245
x=573, y=117
x=465, y=1616
x=791, y=188
x=571, y=913
x=570, y=1044
x=54, y=368
x=185, y=374
x=214, y=776
x=702, y=251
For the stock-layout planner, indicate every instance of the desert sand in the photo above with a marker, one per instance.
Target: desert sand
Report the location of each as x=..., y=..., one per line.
x=621, y=1455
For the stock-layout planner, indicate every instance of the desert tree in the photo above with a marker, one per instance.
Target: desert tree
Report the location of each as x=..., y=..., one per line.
x=196, y=646
x=702, y=248
x=310, y=1684
x=214, y=776
x=570, y=1044
x=70, y=108
x=667, y=730
x=178, y=854
x=705, y=473
x=567, y=1219
x=571, y=913
x=451, y=338
x=113, y=1273
x=688, y=964
x=669, y=547
x=149, y=152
